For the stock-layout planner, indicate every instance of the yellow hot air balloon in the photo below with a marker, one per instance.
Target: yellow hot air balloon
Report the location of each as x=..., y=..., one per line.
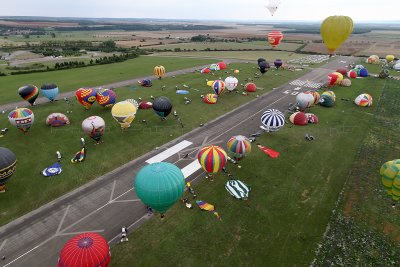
x=389, y=58
x=340, y=77
x=210, y=83
x=124, y=113
x=159, y=71
x=335, y=30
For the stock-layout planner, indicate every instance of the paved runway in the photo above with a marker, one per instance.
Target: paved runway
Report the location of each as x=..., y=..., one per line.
x=109, y=202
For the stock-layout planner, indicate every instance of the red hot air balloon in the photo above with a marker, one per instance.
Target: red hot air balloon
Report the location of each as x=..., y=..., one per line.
x=87, y=249
x=332, y=78
x=275, y=38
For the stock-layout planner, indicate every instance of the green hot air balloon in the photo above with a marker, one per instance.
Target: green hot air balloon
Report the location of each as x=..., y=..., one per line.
x=159, y=185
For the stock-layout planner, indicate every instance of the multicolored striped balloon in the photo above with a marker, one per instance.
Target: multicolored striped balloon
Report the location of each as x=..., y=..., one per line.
x=238, y=147
x=29, y=93
x=390, y=174
x=212, y=158
x=22, y=118
x=218, y=86
x=363, y=100
x=159, y=71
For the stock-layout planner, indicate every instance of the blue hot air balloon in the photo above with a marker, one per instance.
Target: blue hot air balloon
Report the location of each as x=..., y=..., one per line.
x=49, y=90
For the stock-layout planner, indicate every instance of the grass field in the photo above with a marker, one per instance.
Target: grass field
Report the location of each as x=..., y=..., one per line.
x=72, y=79
x=28, y=189
x=291, y=200
x=245, y=55
x=226, y=45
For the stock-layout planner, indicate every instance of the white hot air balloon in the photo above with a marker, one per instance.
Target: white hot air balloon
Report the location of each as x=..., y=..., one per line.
x=231, y=83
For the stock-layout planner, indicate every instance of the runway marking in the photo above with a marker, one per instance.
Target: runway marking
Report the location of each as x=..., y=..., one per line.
x=138, y=220
x=126, y=200
x=62, y=219
x=3, y=244
x=112, y=190
x=169, y=152
x=298, y=82
x=93, y=212
x=191, y=168
x=81, y=232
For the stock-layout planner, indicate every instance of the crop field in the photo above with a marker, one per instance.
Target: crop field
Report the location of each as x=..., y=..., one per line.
x=292, y=197
x=245, y=55
x=28, y=189
x=72, y=79
x=226, y=46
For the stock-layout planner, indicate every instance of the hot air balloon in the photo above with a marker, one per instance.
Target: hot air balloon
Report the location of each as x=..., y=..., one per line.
x=315, y=95
x=260, y=60
x=214, y=66
x=397, y=66
x=124, y=113
x=212, y=158
x=218, y=86
x=391, y=178
x=133, y=101
x=326, y=100
x=162, y=106
x=275, y=38
x=159, y=71
x=335, y=30
x=273, y=6
x=205, y=70
x=159, y=185
x=373, y=59
x=330, y=93
x=22, y=118
x=304, y=100
x=238, y=147
x=145, y=105
x=236, y=71
x=231, y=83
x=86, y=96
x=345, y=82
x=342, y=71
x=299, y=118
x=106, y=97
x=389, y=58
x=312, y=118
x=272, y=120
x=332, y=79
x=8, y=164
x=146, y=83
x=222, y=65
x=352, y=74
x=340, y=77
x=85, y=250
x=29, y=93
x=363, y=100
x=250, y=87
x=57, y=120
x=49, y=90
x=384, y=73
x=263, y=66
x=278, y=63
x=210, y=83
x=210, y=98
x=94, y=126
x=363, y=72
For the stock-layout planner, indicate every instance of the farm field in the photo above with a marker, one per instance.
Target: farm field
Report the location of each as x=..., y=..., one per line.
x=245, y=55
x=28, y=189
x=72, y=79
x=291, y=201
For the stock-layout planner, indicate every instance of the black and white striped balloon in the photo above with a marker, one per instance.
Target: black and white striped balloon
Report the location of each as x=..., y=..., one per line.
x=272, y=120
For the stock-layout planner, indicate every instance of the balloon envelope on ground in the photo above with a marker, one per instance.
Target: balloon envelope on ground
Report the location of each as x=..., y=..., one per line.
x=29, y=93
x=363, y=100
x=159, y=185
x=299, y=118
x=272, y=120
x=250, y=87
x=85, y=250
x=238, y=189
x=390, y=176
x=231, y=83
x=210, y=98
x=304, y=100
x=57, y=120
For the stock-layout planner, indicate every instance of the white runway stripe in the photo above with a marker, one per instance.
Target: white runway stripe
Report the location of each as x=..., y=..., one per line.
x=191, y=168
x=169, y=152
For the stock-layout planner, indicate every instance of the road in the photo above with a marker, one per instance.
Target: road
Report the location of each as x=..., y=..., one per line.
x=107, y=203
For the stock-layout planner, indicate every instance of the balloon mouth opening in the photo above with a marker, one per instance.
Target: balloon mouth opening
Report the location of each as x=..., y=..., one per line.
x=85, y=242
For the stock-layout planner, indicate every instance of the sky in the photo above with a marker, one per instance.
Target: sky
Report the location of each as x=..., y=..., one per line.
x=250, y=10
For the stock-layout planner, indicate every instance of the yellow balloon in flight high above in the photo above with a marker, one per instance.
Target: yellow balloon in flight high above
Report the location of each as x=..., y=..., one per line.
x=335, y=30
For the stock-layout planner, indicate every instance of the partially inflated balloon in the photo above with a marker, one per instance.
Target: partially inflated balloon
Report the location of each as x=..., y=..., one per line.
x=250, y=87
x=272, y=120
x=363, y=100
x=210, y=98
x=57, y=120
x=29, y=93
x=86, y=96
x=299, y=118
x=238, y=147
x=335, y=30
x=332, y=78
x=94, y=126
x=304, y=100
x=8, y=163
x=22, y=118
x=390, y=175
x=389, y=58
x=231, y=83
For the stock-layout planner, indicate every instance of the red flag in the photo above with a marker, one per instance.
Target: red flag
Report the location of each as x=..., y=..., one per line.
x=269, y=152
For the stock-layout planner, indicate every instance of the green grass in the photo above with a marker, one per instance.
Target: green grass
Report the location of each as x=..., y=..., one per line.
x=72, y=79
x=246, y=55
x=289, y=207
x=226, y=45
x=365, y=230
x=28, y=189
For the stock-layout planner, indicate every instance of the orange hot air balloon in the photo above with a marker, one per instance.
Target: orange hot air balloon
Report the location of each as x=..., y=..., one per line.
x=335, y=30
x=275, y=38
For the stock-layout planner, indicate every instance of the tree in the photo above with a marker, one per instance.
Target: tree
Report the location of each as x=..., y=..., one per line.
x=53, y=35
